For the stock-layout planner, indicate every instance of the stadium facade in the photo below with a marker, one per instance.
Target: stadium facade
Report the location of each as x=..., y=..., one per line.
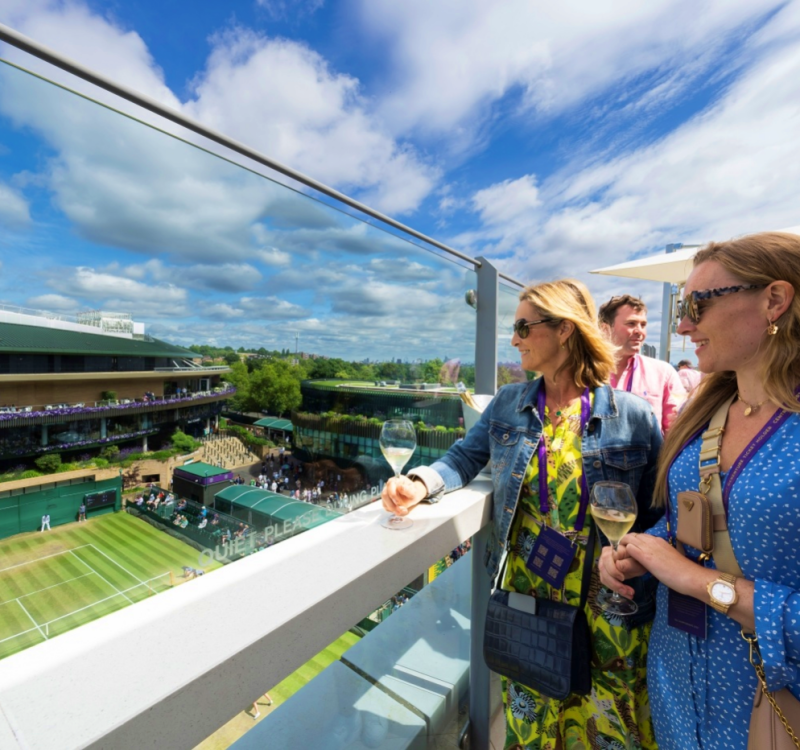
x=73, y=387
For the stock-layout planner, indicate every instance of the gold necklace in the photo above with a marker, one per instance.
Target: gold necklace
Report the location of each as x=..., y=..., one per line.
x=750, y=408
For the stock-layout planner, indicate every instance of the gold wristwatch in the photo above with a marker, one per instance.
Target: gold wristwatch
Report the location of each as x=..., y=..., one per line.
x=722, y=592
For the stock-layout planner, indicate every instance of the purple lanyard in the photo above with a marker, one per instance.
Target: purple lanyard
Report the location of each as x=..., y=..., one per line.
x=583, y=496
x=629, y=387
x=738, y=467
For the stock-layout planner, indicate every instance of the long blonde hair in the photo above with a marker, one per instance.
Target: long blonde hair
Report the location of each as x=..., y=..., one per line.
x=756, y=259
x=590, y=355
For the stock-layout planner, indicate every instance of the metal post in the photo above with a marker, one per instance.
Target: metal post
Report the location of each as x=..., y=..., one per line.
x=485, y=382
x=486, y=328
x=666, y=313
x=479, y=708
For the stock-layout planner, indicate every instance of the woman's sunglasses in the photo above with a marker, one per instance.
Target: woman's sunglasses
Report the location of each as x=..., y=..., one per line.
x=523, y=327
x=689, y=307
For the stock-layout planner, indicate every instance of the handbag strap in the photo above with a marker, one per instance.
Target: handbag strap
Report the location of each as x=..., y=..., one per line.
x=586, y=579
x=711, y=487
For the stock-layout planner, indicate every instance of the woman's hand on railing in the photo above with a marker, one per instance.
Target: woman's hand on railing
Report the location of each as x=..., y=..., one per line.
x=401, y=494
x=615, y=568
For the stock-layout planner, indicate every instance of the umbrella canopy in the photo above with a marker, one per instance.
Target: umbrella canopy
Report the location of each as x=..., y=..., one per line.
x=671, y=268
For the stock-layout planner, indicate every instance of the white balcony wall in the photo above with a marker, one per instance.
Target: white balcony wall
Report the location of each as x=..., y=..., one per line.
x=169, y=671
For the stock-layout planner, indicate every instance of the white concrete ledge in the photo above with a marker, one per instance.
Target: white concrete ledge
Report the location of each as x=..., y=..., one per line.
x=169, y=671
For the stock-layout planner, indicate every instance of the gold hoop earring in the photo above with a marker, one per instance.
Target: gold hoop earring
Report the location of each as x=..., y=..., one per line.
x=772, y=329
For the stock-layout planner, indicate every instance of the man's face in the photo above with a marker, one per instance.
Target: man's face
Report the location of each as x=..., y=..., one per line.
x=629, y=330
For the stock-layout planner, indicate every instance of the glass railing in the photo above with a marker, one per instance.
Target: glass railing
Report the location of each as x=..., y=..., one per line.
x=205, y=247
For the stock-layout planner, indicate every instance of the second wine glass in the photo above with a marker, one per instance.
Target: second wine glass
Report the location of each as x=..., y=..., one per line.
x=398, y=442
x=614, y=510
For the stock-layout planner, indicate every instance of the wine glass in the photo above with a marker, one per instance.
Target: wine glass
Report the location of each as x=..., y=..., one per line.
x=613, y=508
x=398, y=442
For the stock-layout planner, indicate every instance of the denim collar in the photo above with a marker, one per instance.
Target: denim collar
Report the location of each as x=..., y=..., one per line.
x=604, y=406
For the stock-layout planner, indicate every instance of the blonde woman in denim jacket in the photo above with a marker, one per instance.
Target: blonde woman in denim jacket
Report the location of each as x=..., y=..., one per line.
x=590, y=433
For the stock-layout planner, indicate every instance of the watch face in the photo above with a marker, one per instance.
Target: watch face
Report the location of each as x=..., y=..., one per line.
x=722, y=592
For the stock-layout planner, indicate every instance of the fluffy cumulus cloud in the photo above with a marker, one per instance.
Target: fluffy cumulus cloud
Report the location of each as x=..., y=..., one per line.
x=93, y=288
x=283, y=98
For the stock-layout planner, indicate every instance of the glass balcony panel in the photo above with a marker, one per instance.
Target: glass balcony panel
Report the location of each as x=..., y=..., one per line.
x=508, y=367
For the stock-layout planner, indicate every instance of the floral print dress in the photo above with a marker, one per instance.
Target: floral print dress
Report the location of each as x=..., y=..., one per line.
x=616, y=714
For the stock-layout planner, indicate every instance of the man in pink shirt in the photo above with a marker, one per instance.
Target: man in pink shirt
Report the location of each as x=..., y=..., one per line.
x=688, y=375
x=624, y=321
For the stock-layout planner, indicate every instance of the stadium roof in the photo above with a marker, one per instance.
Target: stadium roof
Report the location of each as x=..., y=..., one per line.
x=42, y=340
x=279, y=507
x=200, y=469
x=273, y=423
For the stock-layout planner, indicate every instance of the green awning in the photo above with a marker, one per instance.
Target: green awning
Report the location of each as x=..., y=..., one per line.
x=273, y=423
x=278, y=507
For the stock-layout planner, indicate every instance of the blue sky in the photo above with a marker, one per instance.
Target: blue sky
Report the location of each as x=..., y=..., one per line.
x=552, y=140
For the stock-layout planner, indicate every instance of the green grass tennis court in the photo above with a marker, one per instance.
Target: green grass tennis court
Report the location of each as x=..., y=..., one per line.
x=54, y=581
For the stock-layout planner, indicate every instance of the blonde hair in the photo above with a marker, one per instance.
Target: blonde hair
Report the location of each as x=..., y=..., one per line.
x=756, y=259
x=590, y=355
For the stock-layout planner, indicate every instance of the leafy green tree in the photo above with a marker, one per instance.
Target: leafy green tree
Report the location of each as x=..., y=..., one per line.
x=240, y=379
x=231, y=358
x=430, y=370
x=275, y=387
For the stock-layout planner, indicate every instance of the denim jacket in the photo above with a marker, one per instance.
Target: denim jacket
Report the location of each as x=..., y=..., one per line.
x=620, y=443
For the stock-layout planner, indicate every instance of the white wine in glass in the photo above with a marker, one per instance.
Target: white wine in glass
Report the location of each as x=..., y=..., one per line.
x=398, y=442
x=614, y=510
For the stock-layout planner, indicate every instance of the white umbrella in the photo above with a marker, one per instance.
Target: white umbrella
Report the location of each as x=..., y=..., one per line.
x=670, y=268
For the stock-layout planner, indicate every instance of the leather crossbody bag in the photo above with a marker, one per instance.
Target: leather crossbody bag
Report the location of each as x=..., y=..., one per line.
x=542, y=644
x=702, y=524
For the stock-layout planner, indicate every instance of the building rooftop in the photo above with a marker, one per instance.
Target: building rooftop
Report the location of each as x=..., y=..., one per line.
x=41, y=340
x=200, y=469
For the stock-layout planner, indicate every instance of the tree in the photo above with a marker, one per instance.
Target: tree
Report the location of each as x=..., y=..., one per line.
x=430, y=370
x=274, y=387
x=240, y=379
x=232, y=358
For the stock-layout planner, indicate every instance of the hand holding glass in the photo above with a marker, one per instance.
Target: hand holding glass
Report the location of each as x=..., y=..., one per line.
x=398, y=442
x=614, y=510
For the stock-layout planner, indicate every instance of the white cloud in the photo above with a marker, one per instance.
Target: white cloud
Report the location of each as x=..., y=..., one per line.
x=53, y=303
x=14, y=209
x=284, y=9
x=733, y=169
x=453, y=60
x=283, y=98
x=507, y=201
x=89, y=284
x=125, y=186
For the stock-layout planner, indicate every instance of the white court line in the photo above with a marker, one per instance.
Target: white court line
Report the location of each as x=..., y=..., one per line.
x=101, y=577
x=36, y=624
x=39, y=591
x=115, y=562
x=55, y=554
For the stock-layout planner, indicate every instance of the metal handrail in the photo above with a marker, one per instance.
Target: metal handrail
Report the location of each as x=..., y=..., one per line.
x=32, y=47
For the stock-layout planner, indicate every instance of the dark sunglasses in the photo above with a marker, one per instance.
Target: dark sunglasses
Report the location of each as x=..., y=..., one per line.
x=690, y=306
x=523, y=327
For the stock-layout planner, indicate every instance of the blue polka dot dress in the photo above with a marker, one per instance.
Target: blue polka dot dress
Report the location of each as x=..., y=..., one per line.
x=701, y=691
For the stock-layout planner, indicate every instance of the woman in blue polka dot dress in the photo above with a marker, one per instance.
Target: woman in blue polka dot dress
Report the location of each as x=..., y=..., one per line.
x=742, y=312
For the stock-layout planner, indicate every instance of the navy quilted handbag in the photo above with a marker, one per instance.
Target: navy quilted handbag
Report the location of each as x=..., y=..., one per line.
x=542, y=644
